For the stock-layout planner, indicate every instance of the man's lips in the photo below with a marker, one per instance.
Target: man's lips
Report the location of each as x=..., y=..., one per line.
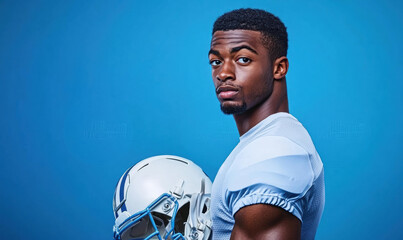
x=227, y=92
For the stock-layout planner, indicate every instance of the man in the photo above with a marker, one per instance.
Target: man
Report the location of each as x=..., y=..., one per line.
x=271, y=186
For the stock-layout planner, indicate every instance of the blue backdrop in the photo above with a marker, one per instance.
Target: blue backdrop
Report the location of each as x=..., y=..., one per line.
x=88, y=88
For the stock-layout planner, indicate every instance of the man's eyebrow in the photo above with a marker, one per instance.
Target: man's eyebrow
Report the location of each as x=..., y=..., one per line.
x=215, y=52
x=236, y=49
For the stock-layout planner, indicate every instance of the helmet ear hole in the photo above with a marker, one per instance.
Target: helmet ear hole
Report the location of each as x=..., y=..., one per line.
x=204, y=208
x=161, y=220
x=181, y=218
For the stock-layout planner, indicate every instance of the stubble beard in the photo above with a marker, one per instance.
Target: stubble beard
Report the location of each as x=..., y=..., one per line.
x=234, y=109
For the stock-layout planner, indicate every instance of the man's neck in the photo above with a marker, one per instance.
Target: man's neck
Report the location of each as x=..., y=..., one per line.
x=277, y=102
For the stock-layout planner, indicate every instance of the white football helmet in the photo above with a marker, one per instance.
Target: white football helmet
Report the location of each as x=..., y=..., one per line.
x=163, y=197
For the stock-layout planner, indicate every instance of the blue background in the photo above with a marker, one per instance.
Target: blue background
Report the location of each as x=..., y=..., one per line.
x=88, y=88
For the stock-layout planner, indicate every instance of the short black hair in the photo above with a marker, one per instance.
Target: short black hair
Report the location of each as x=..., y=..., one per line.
x=273, y=30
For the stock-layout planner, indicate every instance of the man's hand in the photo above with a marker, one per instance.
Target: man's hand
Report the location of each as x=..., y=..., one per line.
x=263, y=221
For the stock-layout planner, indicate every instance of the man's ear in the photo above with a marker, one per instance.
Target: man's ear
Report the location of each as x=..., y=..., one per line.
x=280, y=68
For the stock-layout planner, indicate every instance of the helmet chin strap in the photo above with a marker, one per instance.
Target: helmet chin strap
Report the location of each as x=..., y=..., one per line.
x=198, y=225
x=203, y=186
x=177, y=190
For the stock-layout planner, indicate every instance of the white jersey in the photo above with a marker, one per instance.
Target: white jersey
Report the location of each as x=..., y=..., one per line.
x=274, y=163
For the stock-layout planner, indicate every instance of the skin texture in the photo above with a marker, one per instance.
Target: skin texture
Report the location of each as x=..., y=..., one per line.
x=241, y=62
x=262, y=221
x=251, y=86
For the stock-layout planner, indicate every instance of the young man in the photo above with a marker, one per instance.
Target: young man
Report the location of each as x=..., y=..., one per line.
x=271, y=186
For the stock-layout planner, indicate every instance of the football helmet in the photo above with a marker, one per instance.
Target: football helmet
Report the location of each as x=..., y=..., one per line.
x=163, y=197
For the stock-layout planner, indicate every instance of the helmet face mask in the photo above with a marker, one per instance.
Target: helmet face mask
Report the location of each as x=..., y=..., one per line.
x=181, y=210
x=149, y=224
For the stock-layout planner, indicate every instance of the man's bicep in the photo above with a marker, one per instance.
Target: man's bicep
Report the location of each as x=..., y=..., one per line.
x=264, y=221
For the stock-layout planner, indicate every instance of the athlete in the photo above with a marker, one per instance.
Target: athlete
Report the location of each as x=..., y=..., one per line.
x=271, y=186
x=163, y=197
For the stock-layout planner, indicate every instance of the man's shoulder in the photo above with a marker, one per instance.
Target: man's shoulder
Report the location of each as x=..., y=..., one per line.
x=267, y=147
x=272, y=160
x=288, y=126
x=283, y=132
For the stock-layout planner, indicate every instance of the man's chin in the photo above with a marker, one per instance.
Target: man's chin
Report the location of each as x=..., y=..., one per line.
x=233, y=109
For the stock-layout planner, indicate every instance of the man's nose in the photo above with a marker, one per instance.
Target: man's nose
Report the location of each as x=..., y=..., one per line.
x=227, y=72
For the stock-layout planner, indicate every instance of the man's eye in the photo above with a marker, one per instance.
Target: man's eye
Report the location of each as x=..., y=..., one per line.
x=215, y=62
x=244, y=60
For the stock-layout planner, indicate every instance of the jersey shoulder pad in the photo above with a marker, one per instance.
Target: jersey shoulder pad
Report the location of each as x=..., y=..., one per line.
x=274, y=161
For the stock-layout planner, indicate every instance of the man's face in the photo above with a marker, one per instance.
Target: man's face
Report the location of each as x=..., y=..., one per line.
x=241, y=70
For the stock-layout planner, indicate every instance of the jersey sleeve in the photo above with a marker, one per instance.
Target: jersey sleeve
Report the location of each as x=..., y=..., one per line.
x=270, y=170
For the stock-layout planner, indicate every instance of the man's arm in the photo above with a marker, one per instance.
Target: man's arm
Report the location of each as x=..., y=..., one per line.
x=263, y=221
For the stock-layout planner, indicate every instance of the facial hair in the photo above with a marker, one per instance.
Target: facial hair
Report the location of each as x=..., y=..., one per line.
x=234, y=109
